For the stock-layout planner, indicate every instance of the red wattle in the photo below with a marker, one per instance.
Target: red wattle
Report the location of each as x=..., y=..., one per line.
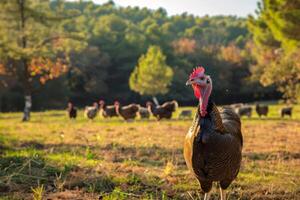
x=197, y=91
x=203, y=95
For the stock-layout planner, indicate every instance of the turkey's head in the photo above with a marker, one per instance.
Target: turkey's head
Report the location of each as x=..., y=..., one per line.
x=102, y=104
x=202, y=86
x=149, y=104
x=117, y=104
x=96, y=105
x=70, y=104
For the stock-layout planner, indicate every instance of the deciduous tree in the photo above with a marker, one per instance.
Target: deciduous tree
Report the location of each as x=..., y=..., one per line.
x=152, y=75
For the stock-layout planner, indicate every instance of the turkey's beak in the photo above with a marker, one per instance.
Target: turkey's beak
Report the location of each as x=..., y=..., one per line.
x=189, y=82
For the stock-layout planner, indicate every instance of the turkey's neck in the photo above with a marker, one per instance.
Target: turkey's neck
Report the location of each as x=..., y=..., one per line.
x=209, y=108
x=203, y=94
x=118, y=109
x=212, y=120
x=103, y=106
x=152, y=108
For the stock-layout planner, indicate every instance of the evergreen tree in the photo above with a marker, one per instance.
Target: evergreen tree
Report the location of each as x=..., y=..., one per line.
x=152, y=75
x=277, y=42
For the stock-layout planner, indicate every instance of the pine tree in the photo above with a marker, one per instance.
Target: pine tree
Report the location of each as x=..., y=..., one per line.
x=152, y=75
x=277, y=43
x=33, y=43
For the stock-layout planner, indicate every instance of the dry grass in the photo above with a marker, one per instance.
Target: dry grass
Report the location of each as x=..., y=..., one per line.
x=112, y=159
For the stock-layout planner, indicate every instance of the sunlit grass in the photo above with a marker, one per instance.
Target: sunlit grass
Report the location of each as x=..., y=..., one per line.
x=138, y=160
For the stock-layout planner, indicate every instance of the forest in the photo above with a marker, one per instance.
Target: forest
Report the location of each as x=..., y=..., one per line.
x=86, y=52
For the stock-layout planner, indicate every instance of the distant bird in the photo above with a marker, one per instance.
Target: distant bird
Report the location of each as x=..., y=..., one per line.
x=244, y=111
x=91, y=112
x=72, y=111
x=286, y=111
x=236, y=105
x=144, y=113
x=262, y=110
x=185, y=114
x=107, y=111
x=163, y=111
x=126, y=112
x=213, y=145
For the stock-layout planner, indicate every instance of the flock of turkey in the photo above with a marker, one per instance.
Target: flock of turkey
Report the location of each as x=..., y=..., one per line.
x=127, y=112
x=163, y=111
x=261, y=110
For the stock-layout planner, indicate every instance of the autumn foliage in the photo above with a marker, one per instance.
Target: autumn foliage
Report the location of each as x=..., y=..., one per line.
x=47, y=69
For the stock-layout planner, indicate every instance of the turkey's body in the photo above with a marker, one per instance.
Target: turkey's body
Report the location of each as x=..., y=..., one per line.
x=91, y=112
x=213, y=147
x=127, y=112
x=108, y=111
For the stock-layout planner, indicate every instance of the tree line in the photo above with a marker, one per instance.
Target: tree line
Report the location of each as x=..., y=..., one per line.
x=83, y=52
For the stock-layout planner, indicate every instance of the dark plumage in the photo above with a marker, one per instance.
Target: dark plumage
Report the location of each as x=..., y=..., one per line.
x=213, y=145
x=262, y=110
x=185, y=114
x=91, y=112
x=244, y=111
x=127, y=112
x=72, y=111
x=163, y=111
x=107, y=111
x=286, y=111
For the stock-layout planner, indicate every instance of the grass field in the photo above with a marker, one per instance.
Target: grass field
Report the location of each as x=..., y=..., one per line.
x=56, y=158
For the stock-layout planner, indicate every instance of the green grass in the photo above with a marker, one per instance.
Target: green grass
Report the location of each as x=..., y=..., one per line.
x=113, y=159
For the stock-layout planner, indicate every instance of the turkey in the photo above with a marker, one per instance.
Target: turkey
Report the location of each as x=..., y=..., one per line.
x=127, y=112
x=144, y=113
x=72, y=111
x=236, y=105
x=286, y=111
x=185, y=114
x=261, y=110
x=91, y=112
x=107, y=111
x=244, y=111
x=163, y=111
x=213, y=144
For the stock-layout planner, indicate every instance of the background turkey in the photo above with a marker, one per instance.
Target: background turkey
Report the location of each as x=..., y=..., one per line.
x=262, y=110
x=213, y=145
x=72, y=111
x=236, y=105
x=107, y=111
x=144, y=113
x=185, y=114
x=163, y=111
x=286, y=111
x=91, y=112
x=127, y=112
x=244, y=111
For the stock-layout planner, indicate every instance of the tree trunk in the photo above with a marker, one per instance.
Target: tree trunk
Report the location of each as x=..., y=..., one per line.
x=155, y=101
x=26, y=75
x=27, y=108
x=27, y=85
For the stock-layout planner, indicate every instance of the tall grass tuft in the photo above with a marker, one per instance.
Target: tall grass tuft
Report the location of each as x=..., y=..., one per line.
x=38, y=192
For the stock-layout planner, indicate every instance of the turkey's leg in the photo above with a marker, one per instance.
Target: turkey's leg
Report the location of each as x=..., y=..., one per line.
x=207, y=196
x=223, y=194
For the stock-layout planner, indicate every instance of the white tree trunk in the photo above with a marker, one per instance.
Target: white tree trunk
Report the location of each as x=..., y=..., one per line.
x=27, y=108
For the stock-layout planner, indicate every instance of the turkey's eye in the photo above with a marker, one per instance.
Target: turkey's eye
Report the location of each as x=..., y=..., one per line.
x=202, y=78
